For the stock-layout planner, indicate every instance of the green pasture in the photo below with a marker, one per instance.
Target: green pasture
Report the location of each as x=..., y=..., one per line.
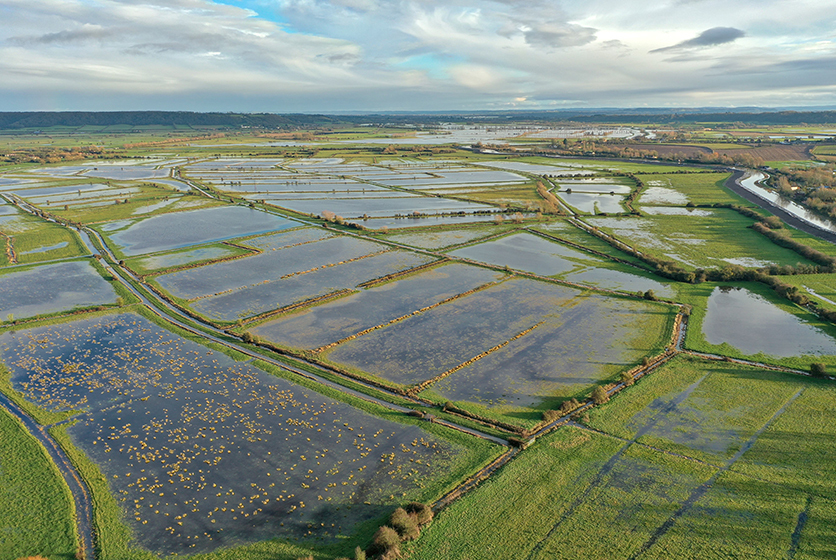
x=699, y=188
x=699, y=408
x=35, y=240
x=721, y=238
x=824, y=286
x=36, y=509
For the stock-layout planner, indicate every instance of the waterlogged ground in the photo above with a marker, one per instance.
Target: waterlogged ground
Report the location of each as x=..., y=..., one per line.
x=292, y=267
x=569, y=339
x=195, y=227
x=528, y=252
x=202, y=451
x=51, y=288
x=753, y=325
x=325, y=324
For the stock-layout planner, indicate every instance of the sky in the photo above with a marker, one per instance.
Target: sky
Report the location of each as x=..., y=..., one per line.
x=318, y=56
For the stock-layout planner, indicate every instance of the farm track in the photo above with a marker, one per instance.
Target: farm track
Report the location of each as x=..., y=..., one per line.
x=78, y=488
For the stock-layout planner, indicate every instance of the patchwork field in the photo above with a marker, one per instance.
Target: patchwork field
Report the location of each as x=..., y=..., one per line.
x=528, y=252
x=512, y=346
x=51, y=288
x=460, y=299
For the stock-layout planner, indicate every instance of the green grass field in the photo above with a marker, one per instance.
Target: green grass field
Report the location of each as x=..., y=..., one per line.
x=36, y=510
x=699, y=188
x=824, y=286
x=723, y=237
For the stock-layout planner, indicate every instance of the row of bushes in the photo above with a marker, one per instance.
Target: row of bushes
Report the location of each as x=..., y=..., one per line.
x=784, y=240
x=405, y=524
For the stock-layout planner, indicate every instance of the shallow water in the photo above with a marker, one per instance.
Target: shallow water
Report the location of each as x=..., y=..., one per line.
x=279, y=292
x=268, y=266
x=201, y=452
x=523, y=251
x=182, y=229
x=584, y=202
x=356, y=208
x=662, y=195
x=160, y=262
x=45, y=249
x=753, y=325
x=328, y=323
x=51, y=288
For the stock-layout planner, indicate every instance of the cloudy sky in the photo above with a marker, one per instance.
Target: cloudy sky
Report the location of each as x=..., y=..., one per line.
x=367, y=55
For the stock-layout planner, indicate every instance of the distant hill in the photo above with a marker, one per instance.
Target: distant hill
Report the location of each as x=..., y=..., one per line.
x=162, y=118
x=185, y=119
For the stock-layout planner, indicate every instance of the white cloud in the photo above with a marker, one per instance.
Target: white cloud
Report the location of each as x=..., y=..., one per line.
x=322, y=55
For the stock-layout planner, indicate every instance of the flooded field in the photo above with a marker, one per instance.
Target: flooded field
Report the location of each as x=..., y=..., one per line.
x=271, y=265
x=662, y=195
x=524, y=251
x=202, y=452
x=381, y=207
x=602, y=186
x=195, y=227
x=439, y=239
x=160, y=262
x=576, y=346
x=51, y=288
x=564, y=330
x=279, y=292
x=593, y=203
x=754, y=325
x=409, y=222
x=325, y=324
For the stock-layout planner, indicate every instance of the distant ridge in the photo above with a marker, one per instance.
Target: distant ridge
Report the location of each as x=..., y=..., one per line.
x=185, y=119
x=161, y=118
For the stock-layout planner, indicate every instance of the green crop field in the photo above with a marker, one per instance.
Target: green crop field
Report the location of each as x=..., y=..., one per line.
x=36, y=511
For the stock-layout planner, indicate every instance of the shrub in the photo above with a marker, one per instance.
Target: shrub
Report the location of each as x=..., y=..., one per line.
x=649, y=295
x=551, y=415
x=247, y=337
x=385, y=540
x=599, y=395
x=773, y=222
x=422, y=512
x=568, y=406
x=359, y=554
x=626, y=378
x=818, y=369
x=404, y=524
